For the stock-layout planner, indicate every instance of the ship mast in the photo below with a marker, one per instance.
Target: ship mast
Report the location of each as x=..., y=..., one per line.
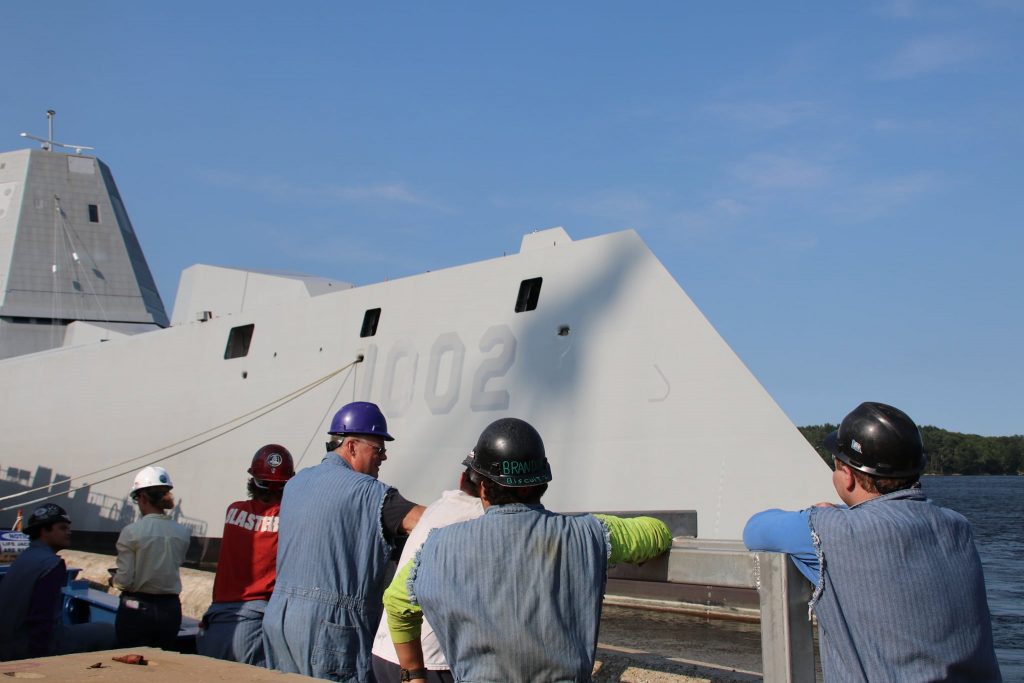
x=49, y=142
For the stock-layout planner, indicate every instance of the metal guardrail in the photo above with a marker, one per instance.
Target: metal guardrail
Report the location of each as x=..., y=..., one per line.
x=787, y=635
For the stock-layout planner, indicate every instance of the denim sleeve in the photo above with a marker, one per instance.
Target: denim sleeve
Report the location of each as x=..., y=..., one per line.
x=785, y=532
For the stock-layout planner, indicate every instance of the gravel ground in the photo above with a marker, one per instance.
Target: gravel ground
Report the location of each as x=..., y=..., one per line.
x=637, y=646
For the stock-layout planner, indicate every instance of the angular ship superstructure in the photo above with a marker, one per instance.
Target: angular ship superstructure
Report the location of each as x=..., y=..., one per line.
x=68, y=252
x=642, y=405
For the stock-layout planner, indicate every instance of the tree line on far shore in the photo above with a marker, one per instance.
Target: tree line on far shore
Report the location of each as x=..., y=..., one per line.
x=949, y=452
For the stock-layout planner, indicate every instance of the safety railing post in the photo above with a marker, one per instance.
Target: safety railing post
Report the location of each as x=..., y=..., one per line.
x=787, y=635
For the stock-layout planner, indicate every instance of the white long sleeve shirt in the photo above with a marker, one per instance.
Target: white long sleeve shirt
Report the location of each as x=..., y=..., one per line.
x=149, y=553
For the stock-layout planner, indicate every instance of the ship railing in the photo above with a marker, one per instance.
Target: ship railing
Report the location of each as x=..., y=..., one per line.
x=787, y=633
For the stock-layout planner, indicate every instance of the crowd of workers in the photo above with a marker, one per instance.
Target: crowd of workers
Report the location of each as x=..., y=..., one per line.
x=491, y=586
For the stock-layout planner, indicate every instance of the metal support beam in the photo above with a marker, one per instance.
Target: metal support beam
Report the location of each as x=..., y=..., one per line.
x=787, y=635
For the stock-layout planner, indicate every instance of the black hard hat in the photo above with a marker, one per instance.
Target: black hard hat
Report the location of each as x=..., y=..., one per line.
x=510, y=453
x=879, y=440
x=46, y=514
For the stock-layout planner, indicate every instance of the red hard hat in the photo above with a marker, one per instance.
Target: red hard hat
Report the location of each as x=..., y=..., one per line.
x=272, y=463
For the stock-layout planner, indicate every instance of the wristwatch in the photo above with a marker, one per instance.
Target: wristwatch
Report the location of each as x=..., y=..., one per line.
x=413, y=675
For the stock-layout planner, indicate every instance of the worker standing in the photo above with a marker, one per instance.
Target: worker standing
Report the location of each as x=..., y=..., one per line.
x=232, y=627
x=30, y=594
x=459, y=505
x=516, y=594
x=150, y=552
x=899, y=590
x=338, y=528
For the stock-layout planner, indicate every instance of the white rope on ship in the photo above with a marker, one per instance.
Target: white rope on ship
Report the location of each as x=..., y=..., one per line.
x=246, y=418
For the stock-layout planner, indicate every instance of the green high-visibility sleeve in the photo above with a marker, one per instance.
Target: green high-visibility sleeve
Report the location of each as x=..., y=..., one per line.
x=404, y=618
x=637, y=539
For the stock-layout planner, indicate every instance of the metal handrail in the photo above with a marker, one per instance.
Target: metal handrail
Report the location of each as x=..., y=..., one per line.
x=787, y=634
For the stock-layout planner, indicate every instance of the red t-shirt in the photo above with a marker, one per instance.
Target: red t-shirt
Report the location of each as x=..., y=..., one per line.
x=248, y=552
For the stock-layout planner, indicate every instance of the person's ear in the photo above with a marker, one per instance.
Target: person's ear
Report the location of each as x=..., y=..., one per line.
x=846, y=478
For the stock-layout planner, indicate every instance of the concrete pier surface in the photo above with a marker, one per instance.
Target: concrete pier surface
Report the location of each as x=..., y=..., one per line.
x=161, y=667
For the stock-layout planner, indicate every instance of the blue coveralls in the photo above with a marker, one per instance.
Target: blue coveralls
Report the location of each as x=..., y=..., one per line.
x=900, y=594
x=234, y=632
x=515, y=595
x=331, y=560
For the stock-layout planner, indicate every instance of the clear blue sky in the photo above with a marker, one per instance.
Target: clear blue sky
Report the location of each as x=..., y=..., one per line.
x=838, y=186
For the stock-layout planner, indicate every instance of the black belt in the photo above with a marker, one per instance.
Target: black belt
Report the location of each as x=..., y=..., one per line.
x=149, y=596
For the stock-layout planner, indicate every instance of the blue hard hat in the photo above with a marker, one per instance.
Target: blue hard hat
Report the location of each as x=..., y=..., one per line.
x=360, y=417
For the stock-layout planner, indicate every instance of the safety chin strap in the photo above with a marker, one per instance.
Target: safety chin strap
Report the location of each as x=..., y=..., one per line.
x=262, y=485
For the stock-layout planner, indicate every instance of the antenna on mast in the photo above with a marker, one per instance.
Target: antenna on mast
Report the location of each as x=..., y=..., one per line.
x=49, y=142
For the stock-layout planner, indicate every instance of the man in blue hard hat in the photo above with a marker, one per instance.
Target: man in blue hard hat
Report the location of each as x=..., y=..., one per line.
x=30, y=596
x=899, y=590
x=338, y=527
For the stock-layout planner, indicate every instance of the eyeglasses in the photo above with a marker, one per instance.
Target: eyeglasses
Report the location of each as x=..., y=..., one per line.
x=378, y=450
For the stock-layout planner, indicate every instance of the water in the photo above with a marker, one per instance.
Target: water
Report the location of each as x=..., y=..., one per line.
x=995, y=508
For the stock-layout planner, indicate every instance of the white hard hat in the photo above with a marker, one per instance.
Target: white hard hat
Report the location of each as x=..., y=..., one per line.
x=151, y=476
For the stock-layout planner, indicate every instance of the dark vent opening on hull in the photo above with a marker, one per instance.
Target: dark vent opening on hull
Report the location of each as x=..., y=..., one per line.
x=94, y=213
x=529, y=292
x=370, y=320
x=238, y=342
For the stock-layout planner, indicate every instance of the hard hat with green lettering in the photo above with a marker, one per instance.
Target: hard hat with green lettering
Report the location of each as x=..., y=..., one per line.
x=510, y=453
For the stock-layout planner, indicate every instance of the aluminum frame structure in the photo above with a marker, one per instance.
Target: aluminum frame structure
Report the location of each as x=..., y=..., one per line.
x=787, y=633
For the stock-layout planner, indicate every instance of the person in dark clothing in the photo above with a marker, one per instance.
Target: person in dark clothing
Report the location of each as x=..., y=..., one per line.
x=30, y=595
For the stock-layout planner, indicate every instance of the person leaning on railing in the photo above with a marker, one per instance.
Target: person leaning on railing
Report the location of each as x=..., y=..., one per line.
x=899, y=590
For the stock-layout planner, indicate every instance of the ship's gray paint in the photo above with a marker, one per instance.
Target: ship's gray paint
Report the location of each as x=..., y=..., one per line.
x=57, y=264
x=205, y=291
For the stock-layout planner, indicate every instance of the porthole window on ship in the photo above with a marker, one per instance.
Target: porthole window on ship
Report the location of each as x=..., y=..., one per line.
x=238, y=342
x=529, y=293
x=94, y=213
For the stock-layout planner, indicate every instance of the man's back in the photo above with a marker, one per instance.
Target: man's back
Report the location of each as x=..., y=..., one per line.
x=515, y=594
x=248, y=551
x=150, y=552
x=331, y=563
x=902, y=594
x=331, y=514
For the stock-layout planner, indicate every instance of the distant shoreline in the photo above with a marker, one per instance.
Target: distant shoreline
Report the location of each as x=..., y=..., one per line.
x=1005, y=474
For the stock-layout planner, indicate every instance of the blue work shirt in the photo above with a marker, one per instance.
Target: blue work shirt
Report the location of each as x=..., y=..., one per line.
x=783, y=531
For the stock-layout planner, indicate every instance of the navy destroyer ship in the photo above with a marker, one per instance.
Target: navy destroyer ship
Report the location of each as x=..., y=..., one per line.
x=642, y=404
